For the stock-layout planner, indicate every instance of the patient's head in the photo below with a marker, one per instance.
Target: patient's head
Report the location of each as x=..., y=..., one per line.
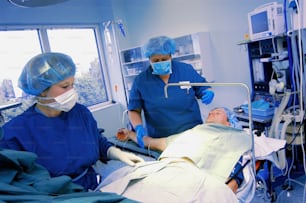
x=218, y=115
x=224, y=116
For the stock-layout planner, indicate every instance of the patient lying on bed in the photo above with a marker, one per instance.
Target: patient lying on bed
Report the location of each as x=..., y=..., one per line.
x=219, y=115
x=194, y=166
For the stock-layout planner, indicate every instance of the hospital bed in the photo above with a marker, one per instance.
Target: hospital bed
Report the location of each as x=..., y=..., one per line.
x=266, y=147
x=248, y=185
x=247, y=189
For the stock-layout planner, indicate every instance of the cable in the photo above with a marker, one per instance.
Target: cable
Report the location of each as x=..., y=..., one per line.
x=123, y=118
x=295, y=134
x=301, y=102
x=297, y=72
x=290, y=168
x=304, y=193
x=297, y=77
x=297, y=182
x=265, y=188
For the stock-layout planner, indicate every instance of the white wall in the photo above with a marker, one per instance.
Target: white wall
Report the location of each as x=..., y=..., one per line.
x=109, y=118
x=225, y=20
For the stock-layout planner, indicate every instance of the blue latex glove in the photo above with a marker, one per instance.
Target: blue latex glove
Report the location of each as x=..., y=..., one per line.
x=207, y=96
x=140, y=132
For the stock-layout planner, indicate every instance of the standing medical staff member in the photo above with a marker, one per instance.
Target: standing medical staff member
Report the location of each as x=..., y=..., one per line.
x=165, y=116
x=62, y=132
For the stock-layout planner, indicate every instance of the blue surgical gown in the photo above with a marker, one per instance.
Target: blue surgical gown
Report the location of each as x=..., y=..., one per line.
x=167, y=116
x=66, y=145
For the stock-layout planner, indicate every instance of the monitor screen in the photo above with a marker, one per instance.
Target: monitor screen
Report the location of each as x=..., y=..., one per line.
x=260, y=22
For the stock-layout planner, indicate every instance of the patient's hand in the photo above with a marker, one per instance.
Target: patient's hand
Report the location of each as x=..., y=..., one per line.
x=125, y=134
x=233, y=185
x=122, y=134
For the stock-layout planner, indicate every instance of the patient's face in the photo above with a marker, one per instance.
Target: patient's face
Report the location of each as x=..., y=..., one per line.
x=217, y=115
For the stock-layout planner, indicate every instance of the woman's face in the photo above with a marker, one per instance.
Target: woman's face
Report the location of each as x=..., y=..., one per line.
x=159, y=58
x=218, y=116
x=59, y=88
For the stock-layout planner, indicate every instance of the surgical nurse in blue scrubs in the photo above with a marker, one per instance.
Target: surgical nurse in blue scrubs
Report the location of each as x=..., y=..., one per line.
x=62, y=132
x=165, y=116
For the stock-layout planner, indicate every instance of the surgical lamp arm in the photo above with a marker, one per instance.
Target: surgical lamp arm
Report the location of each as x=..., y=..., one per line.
x=217, y=84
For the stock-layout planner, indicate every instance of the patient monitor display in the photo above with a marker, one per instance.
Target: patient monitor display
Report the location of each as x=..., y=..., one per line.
x=266, y=21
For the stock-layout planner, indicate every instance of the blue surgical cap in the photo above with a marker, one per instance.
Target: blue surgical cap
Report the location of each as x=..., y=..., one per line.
x=45, y=70
x=159, y=45
x=232, y=118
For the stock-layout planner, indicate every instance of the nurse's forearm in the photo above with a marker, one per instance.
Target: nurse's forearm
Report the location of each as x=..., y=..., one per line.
x=135, y=118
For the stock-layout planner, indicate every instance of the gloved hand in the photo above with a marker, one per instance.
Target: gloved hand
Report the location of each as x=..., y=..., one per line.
x=140, y=132
x=126, y=157
x=207, y=96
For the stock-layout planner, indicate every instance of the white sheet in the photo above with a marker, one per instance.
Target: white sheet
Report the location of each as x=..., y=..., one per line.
x=212, y=147
x=265, y=147
x=169, y=181
x=174, y=181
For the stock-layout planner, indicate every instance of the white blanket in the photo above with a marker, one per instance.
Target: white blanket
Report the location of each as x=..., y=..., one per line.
x=213, y=151
x=174, y=180
x=212, y=147
x=171, y=181
x=271, y=149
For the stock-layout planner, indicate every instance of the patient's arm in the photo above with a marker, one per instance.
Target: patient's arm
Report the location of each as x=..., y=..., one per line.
x=159, y=144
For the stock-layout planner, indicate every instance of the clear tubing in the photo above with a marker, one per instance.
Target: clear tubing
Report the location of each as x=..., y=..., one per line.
x=277, y=116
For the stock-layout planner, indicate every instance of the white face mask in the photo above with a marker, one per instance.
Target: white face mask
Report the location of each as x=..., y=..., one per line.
x=64, y=102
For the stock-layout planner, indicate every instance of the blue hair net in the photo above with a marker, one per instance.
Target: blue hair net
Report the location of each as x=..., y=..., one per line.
x=45, y=70
x=232, y=118
x=159, y=45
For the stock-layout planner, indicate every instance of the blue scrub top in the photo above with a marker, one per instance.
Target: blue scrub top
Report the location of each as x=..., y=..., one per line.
x=167, y=116
x=66, y=145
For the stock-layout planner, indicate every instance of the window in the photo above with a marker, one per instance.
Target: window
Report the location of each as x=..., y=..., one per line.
x=81, y=45
x=18, y=46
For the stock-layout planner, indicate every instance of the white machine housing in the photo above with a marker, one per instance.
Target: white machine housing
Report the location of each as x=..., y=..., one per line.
x=266, y=20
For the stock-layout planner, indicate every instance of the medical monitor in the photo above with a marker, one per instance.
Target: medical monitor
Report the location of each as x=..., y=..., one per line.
x=266, y=21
